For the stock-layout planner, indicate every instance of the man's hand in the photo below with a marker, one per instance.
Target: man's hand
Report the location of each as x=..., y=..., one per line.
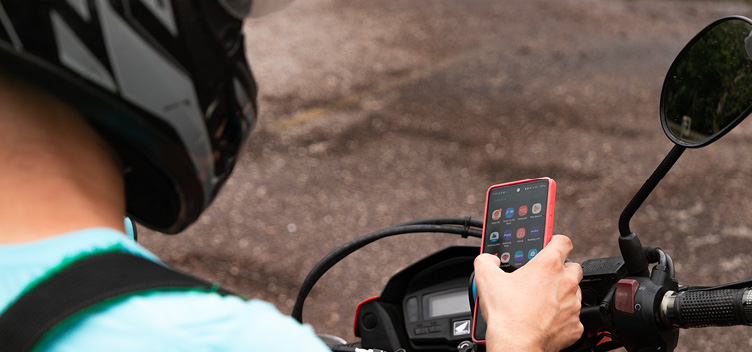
x=536, y=308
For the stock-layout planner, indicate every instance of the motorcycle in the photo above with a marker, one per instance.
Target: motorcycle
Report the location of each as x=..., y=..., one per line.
x=632, y=301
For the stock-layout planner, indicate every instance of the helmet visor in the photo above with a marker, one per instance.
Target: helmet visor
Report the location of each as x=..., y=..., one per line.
x=253, y=8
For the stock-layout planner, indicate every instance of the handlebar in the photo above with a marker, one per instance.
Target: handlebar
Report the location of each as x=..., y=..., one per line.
x=619, y=309
x=696, y=309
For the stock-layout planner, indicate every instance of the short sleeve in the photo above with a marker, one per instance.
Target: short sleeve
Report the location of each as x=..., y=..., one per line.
x=184, y=321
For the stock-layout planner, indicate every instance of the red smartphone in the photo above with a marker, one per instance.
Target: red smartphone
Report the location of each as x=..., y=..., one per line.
x=519, y=218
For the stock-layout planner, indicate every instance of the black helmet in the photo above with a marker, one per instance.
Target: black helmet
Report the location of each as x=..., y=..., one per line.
x=165, y=82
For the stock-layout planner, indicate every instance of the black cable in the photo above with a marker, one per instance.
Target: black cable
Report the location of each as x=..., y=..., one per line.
x=657, y=255
x=444, y=221
x=729, y=286
x=669, y=263
x=346, y=249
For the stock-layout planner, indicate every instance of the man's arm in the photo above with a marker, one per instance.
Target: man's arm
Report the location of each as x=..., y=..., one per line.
x=536, y=308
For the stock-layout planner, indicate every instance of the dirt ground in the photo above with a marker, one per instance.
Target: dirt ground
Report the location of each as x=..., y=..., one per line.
x=378, y=112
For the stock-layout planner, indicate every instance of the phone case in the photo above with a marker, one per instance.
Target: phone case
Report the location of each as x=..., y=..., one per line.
x=547, y=231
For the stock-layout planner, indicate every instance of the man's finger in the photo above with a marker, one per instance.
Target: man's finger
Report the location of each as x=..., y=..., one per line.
x=574, y=269
x=486, y=265
x=486, y=260
x=558, y=248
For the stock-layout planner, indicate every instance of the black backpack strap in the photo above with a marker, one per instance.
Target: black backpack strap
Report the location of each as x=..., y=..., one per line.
x=81, y=285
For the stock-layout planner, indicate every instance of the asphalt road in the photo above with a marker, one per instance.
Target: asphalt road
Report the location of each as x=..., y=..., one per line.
x=378, y=112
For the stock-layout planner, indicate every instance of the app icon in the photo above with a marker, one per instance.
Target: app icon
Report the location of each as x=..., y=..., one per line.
x=534, y=231
x=521, y=233
x=507, y=235
x=494, y=237
x=523, y=210
x=496, y=215
x=504, y=257
x=518, y=256
x=532, y=253
x=509, y=213
x=537, y=208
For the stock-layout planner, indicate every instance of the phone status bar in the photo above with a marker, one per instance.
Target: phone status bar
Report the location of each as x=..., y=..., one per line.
x=517, y=189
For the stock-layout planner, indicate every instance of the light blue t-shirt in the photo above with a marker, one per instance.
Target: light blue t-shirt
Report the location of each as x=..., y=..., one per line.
x=157, y=321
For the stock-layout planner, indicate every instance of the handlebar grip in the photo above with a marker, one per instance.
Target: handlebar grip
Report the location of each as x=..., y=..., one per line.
x=697, y=309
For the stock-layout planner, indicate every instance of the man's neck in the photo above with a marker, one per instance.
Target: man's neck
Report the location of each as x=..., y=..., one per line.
x=57, y=175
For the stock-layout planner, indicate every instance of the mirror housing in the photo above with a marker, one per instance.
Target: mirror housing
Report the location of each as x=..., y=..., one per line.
x=708, y=89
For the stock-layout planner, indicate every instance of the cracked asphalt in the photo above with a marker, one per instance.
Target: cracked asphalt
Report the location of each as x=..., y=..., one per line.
x=373, y=113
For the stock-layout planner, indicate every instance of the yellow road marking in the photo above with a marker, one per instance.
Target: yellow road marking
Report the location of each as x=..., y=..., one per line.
x=350, y=100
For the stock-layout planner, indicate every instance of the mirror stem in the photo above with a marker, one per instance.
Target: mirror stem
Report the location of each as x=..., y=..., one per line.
x=629, y=243
x=648, y=187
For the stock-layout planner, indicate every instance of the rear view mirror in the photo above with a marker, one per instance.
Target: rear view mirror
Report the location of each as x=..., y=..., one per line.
x=708, y=89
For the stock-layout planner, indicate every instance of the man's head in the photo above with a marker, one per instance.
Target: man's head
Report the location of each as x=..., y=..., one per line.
x=165, y=83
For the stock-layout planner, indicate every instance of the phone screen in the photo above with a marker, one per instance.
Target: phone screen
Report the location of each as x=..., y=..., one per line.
x=516, y=222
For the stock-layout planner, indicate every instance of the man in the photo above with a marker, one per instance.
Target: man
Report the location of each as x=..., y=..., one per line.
x=141, y=107
x=62, y=198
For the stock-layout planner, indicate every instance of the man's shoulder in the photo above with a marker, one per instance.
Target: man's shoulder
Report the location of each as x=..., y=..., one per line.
x=24, y=265
x=152, y=320
x=187, y=320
